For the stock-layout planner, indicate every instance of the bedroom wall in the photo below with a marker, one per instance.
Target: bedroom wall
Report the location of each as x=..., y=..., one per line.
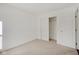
x=18, y=26
x=65, y=26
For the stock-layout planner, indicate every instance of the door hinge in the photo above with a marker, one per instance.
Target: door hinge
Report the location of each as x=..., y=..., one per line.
x=76, y=43
x=75, y=16
x=75, y=30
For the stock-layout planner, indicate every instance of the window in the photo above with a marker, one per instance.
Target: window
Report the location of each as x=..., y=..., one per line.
x=0, y=34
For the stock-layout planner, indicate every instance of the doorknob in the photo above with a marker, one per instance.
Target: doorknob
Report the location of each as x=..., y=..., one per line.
x=0, y=35
x=61, y=31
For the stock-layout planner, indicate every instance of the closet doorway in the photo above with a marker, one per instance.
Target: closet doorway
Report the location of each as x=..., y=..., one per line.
x=52, y=29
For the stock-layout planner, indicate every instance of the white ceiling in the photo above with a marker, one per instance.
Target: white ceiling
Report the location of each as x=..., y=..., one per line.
x=38, y=8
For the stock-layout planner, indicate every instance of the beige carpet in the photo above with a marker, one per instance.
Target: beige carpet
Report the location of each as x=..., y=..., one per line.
x=40, y=47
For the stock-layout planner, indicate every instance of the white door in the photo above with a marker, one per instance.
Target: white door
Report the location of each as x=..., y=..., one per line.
x=66, y=27
x=78, y=29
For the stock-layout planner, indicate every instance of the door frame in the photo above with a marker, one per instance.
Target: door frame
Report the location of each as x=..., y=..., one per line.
x=55, y=25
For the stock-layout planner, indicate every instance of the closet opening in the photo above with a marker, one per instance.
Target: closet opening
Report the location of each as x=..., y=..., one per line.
x=52, y=29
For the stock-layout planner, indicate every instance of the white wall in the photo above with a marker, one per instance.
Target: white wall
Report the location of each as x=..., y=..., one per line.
x=18, y=26
x=65, y=26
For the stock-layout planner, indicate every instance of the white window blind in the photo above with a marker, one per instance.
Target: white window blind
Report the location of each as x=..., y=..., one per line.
x=0, y=34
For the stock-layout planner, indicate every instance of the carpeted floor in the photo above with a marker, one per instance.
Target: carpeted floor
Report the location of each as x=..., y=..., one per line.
x=40, y=47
